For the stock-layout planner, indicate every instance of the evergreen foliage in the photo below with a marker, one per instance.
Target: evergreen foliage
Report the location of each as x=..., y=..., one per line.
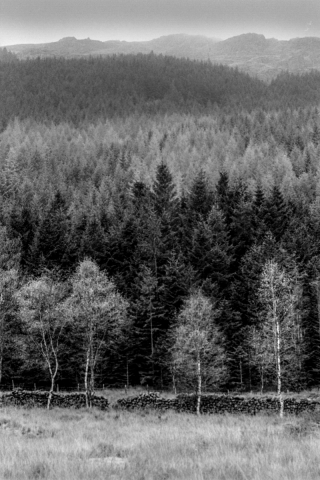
x=172, y=177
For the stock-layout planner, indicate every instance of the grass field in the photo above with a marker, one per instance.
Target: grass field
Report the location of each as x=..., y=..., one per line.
x=86, y=445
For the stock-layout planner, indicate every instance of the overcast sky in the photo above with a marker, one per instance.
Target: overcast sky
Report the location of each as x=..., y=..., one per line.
x=37, y=21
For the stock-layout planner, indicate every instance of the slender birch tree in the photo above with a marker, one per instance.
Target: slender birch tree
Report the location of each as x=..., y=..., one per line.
x=41, y=310
x=100, y=312
x=197, y=350
x=280, y=295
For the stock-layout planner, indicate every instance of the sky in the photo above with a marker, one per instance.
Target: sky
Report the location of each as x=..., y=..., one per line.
x=42, y=21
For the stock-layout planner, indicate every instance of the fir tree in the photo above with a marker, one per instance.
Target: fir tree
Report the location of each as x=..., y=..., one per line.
x=278, y=213
x=50, y=241
x=200, y=197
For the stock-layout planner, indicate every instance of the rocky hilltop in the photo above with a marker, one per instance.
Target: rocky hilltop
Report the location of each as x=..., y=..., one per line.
x=250, y=52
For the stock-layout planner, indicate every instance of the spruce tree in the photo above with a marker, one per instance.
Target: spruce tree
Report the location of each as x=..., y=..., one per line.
x=149, y=327
x=49, y=245
x=164, y=191
x=200, y=197
x=278, y=213
x=211, y=253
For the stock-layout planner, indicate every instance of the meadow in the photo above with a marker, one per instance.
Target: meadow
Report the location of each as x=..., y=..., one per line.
x=85, y=445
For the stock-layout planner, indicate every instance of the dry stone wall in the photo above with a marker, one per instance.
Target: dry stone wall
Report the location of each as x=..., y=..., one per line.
x=183, y=403
x=29, y=399
x=217, y=404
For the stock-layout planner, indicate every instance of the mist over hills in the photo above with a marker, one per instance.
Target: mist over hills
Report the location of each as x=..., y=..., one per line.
x=252, y=53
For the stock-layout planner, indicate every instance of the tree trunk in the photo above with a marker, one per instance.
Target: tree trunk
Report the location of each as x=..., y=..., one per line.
x=91, y=383
x=50, y=393
x=174, y=387
x=86, y=386
x=278, y=360
x=199, y=384
x=53, y=377
x=127, y=372
x=249, y=365
x=152, y=345
x=262, y=379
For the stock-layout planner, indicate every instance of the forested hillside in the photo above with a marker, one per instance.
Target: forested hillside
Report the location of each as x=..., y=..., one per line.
x=131, y=183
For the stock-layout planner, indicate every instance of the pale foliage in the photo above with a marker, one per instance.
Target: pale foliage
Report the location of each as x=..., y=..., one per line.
x=41, y=310
x=281, y=333
x=99, y=312
x=198, y=339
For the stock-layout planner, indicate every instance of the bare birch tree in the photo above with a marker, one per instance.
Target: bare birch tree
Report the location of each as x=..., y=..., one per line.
x=101, y=315
x=197, y=349
x=41, y=310
x=280, y=294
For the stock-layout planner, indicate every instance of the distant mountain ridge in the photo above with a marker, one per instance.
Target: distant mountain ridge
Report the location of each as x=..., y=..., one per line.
x=250, y=52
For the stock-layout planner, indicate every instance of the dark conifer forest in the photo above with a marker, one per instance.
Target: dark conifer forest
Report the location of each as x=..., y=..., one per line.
x=156, y=177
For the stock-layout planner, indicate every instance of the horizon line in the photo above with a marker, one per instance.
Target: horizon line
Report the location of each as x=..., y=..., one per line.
x=161, y=36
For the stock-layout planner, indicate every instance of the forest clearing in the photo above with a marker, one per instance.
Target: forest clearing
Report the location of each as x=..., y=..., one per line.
x=89, y=444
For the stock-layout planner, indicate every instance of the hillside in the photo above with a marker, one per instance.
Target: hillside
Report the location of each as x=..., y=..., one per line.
x=195, y=47
x=252, y=53
x=87, y=89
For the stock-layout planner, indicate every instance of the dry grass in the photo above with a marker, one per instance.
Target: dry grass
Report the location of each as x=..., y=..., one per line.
x=82, y=445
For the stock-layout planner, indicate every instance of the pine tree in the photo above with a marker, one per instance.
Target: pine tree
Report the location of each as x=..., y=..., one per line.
x=177, y=282
x=122, y=256
x=49, y=244
x=164, y=191
x=23, y=227
x=258, y=225
x=149, y=326
x=224, y=195
x=277, y=215
x=166, y=208
x=200, y=197
x=211, y=254
x=8, y=321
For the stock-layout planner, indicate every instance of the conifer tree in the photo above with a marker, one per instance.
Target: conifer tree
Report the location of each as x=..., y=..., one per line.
x=200, y=197
x=211, y=254
x=149, y=325
x=23, y=228
x=257, y=214
x=8, y=321
x=164, y=191
x=49, y=245
x=166, y=208
x=223, y=193
x=277, y=215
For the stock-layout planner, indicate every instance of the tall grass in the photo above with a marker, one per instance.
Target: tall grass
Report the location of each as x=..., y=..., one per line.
x=81, y=445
